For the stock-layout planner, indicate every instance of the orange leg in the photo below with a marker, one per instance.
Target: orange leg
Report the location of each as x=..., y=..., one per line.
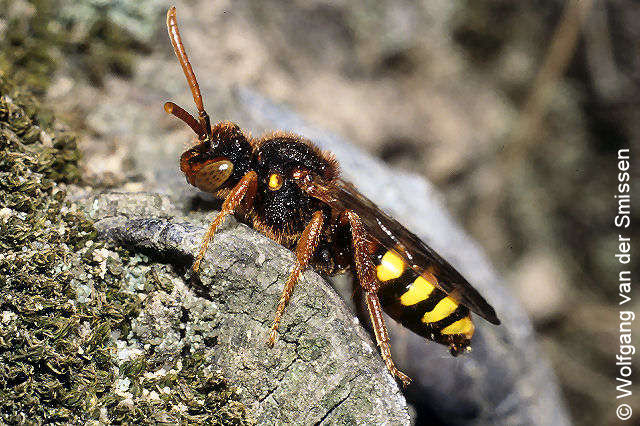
x=369, y=282
x=236, y=197
x=304, y=252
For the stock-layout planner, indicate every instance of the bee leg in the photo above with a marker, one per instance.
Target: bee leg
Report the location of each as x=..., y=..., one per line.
x=304, y=252
x=243, y=193
x=375, y=311
x=369, y=282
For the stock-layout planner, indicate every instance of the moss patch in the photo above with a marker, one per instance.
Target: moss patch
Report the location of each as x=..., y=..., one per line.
x=67, y=300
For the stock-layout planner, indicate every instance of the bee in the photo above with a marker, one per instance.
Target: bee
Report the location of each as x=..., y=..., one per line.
x=291, y=191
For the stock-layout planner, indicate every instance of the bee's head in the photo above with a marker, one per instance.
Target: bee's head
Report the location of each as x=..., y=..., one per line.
x=218, y=161
x=223, y=153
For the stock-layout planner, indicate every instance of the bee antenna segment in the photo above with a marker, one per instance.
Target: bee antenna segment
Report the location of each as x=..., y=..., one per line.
x=181, y=54
x=175, y=110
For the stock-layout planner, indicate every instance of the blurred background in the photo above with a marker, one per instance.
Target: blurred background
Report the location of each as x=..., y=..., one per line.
x=514, y=110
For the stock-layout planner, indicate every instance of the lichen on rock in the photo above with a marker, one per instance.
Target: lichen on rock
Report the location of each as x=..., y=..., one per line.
x=68, y=300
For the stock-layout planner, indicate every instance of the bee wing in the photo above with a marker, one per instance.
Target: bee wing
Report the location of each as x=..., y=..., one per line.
x=392, y=235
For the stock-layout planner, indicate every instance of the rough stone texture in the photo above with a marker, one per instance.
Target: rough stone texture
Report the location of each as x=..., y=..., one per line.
x=323, y=369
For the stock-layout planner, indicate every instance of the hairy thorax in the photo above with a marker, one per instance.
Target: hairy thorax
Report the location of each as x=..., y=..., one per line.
x=282, y=209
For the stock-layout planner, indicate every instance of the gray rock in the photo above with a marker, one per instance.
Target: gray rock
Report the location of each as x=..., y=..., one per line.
x=323, y=369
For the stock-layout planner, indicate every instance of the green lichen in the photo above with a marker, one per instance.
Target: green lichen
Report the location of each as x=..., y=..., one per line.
x=67, y=301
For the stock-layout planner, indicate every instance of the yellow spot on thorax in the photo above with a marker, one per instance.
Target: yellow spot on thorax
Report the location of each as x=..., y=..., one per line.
x=463, y=326
x=390, y=267
x=275, y=181
x=441, y=310
x=419, y=291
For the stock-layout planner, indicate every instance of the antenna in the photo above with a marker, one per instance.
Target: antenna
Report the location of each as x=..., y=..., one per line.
x=203, y=126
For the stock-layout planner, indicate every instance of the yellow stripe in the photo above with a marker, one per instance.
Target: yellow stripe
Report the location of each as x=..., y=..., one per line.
x=419, y=291
x=390, y=267
x=464, y=326
x=441, y=310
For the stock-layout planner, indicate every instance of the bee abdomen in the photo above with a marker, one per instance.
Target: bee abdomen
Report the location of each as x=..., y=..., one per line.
x=417, y=303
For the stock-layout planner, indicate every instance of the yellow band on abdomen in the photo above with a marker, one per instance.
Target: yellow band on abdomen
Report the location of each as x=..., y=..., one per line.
x=441, y=310
x=463, y=326
x=419, y=291
x=391, y=266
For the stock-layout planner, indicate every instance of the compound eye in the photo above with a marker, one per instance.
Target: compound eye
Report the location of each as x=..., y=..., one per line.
x=275, y=181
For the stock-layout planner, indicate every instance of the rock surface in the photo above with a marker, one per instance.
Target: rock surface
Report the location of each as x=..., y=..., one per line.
x=323, y=369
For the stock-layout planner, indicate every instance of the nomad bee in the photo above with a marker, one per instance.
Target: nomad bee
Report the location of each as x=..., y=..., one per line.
x=290, y=190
